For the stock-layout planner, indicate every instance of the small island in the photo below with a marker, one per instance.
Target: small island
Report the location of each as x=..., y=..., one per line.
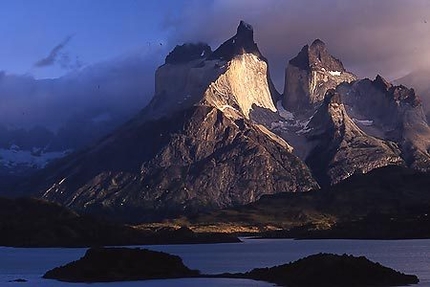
x=331, y=270
x=121, y=264
x=128, y=264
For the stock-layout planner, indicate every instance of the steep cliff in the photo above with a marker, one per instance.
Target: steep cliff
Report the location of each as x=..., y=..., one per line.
x=309, y=75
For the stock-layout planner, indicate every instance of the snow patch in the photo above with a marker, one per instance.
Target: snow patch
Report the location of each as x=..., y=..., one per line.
x=283, y=112
x=363, y=122
x=304, y=126
x=334, y=73
x=223, y=107
x=14, y=157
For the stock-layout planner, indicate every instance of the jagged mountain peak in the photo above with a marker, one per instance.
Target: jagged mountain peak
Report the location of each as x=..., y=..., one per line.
x=241, y=43
x=341, y=148
x=396, y=94
x=234, y=78
x=381, y=83
x=302, y=59
x=317, y=56
x=245, y=30
x=197, y=146
x=318, y=43
x=188, y=52
x=310, y=74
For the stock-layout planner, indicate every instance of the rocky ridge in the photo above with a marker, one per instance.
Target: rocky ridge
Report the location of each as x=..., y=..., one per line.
x=391, y=112
x=341, y=148
x=370, y=124
x=27, y=222
x=199, y=145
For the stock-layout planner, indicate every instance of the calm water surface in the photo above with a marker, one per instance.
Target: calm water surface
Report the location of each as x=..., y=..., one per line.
x=408, y=256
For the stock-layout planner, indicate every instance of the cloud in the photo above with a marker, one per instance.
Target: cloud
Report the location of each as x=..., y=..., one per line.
x=385, y=36
x=116, y=89
x=56, y=55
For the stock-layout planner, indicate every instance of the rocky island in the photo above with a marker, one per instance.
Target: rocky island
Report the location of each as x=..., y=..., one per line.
x=126, y=264
x=121, y=264
x=331, y=270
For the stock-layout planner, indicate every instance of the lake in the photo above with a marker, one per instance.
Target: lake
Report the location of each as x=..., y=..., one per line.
x=408, y=256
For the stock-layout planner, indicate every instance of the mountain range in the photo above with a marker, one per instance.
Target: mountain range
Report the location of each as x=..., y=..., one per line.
x=217, y=134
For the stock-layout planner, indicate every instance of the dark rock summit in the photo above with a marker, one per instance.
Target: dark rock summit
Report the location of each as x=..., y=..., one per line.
x=242, y=42
x=121, y=264
x=310, y=74
x=188, y=52
x=316, y=55
x=332, y=270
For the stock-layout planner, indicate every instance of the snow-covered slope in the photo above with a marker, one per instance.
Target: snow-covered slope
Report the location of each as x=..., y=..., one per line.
x=17, y=161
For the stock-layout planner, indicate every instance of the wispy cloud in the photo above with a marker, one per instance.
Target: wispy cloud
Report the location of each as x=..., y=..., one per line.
x=119, y=87
x=56, y=55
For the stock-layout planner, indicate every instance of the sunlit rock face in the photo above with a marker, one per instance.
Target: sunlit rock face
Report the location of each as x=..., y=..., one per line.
x=396, y=114
x=341, y=148
x=242, y=86
x=197, y=146
x=309, y=75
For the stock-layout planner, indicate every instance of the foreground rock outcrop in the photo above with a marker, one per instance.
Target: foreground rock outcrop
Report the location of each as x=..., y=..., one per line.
x=27, y=222
x=391, y=202
x=332, y=270
x=121, y=264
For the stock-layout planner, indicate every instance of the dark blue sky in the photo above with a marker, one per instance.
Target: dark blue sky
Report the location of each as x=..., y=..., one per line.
x=98, y=30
